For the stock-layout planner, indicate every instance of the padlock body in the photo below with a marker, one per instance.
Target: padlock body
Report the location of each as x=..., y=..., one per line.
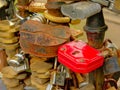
x=80, y=57
x=111, y=65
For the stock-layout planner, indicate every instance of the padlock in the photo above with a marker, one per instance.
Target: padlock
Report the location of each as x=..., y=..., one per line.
x=68, y=73
x=43, y=38
x=49, y=87
x=79, y=77
x=23, y=67
x=113, y=49
x=111, y=65
x=5, y=25
x=36, y=6
x=60, y=76
x=53, y=76
x=85, y=82
x=117, y=4
x=17, y=60
x=56, y=19
x=7, y=35
x=3, y=59
x=79, y=57
x=108, y=83
x=9, y=41
x=88, y=87
x=80, y=10
x=76, y=33
x=10, y=46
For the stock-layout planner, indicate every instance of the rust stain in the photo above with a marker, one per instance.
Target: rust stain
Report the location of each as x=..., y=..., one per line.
x=42, y=39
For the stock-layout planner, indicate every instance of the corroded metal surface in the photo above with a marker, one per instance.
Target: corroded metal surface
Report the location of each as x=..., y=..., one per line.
x=41, y=39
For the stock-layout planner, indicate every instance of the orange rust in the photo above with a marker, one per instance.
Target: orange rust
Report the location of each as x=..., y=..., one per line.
x=42, y=40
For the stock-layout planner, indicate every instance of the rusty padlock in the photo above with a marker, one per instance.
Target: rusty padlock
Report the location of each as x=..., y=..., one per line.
x=42, y=40
x=3, y=59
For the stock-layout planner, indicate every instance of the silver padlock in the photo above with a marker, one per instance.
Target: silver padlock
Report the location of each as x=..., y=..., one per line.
x=53, y=76
x=80, y=10
x=111, y=65
x=60, y=76
x=17, y=60
x=23, y=67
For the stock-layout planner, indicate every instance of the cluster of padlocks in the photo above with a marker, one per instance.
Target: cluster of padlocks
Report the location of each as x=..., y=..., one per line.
x=43, y=52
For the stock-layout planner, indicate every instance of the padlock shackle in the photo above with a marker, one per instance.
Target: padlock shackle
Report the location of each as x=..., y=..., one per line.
x=108, y=81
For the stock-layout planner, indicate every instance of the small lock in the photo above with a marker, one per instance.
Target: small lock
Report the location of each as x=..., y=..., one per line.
x=60, y=76
x=53, y=76
x=22, y=67
x=108, y=83
x=111, y=65
x=17, y=60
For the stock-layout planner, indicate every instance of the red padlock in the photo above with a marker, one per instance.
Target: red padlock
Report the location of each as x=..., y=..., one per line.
x=80, y=57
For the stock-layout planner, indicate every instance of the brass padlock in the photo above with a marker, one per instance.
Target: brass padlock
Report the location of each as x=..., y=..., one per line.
x=9, y=41
x=37, y=6
x=117, y=4
x=56, y=18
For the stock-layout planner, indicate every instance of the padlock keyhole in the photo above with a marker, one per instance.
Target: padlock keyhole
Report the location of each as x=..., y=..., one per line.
x=75, y=52
x=63, y=49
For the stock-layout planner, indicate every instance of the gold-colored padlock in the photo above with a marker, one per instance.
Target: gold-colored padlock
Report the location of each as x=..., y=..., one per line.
x=6, y=35
x=76, y=33
x=79, y=78
x=5, y=25
x=10, y=46
x=117, y=4
x=9, y=41
x=77, y=21
x=56, y=19
x=36, y=6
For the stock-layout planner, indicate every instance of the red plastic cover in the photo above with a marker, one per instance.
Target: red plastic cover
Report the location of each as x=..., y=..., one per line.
x=80, y=57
